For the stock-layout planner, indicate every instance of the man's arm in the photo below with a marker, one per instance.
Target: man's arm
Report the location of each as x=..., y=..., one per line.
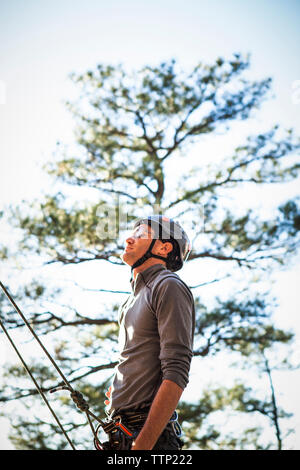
x=161, y=410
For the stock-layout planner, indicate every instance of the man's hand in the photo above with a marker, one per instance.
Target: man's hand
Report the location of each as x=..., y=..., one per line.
x=108, y=394
x=162, y=408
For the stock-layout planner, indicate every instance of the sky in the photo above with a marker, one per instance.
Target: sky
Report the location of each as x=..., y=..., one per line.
x=42, y=42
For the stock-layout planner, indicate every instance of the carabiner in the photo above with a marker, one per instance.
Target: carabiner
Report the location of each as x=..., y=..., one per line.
x=122, y=427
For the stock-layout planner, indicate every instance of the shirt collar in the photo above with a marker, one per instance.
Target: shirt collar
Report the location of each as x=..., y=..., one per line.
x=143, y=277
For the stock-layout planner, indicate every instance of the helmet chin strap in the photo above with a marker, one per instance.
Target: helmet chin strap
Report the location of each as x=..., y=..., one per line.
x=146, y=256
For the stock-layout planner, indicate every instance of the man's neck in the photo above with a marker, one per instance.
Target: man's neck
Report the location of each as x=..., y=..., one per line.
x=146, y=265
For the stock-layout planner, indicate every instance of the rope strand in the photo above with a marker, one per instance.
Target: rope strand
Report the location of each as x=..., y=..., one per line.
x=37, y=385
x=76, y=396
x=35, y=335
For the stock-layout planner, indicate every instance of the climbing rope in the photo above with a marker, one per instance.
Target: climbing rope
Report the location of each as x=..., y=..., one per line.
x=76, y=396
x=37, y=385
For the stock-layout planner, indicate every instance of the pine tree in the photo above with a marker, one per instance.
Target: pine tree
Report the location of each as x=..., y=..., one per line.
x=135, y=134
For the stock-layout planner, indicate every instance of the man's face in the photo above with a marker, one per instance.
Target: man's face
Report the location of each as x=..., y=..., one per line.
x=137, y=244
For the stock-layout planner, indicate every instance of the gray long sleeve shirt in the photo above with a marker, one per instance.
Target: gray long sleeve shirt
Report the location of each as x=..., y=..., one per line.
x=157, y=324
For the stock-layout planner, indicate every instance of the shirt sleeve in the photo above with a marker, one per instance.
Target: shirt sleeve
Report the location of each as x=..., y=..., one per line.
x=174, y=309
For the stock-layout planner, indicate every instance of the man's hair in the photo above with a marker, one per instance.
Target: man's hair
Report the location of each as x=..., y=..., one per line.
x=173, y=254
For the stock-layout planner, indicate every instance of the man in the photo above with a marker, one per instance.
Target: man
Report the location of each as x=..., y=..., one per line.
x=156, y=337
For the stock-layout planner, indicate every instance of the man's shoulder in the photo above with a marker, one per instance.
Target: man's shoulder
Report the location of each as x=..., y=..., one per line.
x=168, y=279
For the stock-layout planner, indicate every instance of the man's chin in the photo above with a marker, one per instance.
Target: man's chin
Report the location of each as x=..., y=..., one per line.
x=127, y=259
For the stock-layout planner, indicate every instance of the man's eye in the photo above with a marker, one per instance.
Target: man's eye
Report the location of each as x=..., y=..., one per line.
x=139, y=234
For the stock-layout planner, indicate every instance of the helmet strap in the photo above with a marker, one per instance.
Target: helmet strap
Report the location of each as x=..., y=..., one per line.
x=147, y=255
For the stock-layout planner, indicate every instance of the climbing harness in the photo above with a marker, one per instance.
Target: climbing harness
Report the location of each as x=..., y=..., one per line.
x=76, y=396
x=124, y=428
x=120, y=436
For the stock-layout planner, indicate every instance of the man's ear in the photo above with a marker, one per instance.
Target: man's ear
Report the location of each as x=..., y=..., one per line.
x=165, y=248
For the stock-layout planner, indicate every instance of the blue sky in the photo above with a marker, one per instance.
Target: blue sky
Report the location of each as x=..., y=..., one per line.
x=42, y=41
x=60, y=36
